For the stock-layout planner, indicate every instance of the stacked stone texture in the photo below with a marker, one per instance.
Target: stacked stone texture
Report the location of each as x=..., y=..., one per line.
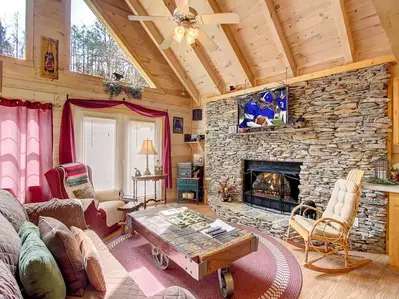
x=347, y=127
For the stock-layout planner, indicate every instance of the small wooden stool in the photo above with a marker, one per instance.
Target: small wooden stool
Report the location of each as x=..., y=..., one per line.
x=128, y=208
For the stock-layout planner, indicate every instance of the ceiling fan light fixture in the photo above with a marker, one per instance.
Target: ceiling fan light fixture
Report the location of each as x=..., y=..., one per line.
x=179, y=33
x=192, y=32
x=190, y=40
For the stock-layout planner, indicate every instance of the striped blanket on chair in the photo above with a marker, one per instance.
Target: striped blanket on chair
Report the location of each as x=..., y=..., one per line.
x=76, y=174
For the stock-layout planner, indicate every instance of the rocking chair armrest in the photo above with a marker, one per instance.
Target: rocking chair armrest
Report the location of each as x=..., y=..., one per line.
x=344, y=227
x=306, y=207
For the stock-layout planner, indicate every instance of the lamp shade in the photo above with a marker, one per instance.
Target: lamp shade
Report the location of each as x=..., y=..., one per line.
x=148, y=148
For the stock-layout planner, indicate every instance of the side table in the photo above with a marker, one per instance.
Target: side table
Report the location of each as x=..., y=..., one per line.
x=129, y=207
x=146, y=178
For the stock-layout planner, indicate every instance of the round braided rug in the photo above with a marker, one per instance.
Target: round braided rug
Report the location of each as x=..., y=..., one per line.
x=271, y=272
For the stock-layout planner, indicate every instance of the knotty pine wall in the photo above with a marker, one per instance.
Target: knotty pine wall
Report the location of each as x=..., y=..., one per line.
x=21, y=80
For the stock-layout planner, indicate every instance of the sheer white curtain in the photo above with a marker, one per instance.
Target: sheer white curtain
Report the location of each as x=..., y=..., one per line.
x=99, y=151
x=110, y=146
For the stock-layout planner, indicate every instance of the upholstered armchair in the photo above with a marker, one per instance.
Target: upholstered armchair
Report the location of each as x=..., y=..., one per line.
x=100, y=209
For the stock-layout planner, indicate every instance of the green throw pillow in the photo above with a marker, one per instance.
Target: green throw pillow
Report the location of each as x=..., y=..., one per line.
x=38, y=270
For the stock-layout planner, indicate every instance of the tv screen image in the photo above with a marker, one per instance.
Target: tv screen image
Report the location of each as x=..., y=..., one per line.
x=265, y=109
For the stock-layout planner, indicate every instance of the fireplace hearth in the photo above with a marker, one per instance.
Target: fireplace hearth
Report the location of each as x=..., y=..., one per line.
x=272, y=185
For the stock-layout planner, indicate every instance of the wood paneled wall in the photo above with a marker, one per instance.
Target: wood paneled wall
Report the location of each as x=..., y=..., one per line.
x=21, y=79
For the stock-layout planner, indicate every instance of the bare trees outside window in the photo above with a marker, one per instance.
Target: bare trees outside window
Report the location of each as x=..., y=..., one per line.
x=95, y=52
x=13, y=28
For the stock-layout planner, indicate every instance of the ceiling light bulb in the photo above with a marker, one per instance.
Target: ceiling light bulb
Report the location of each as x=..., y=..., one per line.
x=179, y=33
x=192, y=32
x=190, y=40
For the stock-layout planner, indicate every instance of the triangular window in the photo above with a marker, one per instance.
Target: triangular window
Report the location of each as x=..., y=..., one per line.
x=94, y=50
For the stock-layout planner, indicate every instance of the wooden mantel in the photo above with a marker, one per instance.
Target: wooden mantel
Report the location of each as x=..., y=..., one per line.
x=393, y=221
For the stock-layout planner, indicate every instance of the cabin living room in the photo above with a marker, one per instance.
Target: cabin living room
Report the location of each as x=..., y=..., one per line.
x=199, y=149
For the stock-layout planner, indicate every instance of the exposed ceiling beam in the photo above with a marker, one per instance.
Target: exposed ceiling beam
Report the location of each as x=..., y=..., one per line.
x=344, y=31
x=278, y=36
x=201, y=55
x=388, y=11
x=328, y=72
x=251, y=81
x=169, y=56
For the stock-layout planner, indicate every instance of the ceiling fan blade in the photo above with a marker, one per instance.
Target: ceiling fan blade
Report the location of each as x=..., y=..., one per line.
x=218, y=18
x=150, y=18
x=207, y=42
x=167, y=42
x=182, y=6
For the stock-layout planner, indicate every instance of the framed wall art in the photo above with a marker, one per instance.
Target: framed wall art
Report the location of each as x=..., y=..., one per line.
x=178, y=125
x=49, y=58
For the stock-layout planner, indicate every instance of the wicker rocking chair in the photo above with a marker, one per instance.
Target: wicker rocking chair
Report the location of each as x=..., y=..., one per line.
x=332, y=227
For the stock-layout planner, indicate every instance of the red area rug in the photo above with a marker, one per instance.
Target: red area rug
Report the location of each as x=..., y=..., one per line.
x=271, y=272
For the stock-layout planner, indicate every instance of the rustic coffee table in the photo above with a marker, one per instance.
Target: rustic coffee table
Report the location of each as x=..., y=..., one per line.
x=199, y=255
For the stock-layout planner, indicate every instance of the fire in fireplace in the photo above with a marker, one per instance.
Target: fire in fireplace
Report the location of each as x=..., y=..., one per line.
x=272, y=185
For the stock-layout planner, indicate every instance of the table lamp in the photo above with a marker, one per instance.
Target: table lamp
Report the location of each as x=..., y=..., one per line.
x=147, y=149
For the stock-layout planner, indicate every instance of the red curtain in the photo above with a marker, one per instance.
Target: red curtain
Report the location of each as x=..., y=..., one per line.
x=67, y=137
x=26, y=148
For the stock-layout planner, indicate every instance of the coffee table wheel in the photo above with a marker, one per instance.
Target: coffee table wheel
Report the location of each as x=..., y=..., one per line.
x=226, y=282
x=160, y=258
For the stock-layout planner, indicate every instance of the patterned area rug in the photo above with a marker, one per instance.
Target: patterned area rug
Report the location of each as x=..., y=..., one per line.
x=271, y=272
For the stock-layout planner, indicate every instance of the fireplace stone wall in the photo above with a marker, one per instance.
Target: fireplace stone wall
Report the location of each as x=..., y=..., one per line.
x=347, y=127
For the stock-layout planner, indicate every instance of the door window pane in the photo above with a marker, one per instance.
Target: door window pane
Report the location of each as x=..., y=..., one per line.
x=138, y=131
x=99, y=150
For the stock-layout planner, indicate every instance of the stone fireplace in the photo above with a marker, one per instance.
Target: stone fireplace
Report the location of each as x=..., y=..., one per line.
x=347, y=127
x=271, y=185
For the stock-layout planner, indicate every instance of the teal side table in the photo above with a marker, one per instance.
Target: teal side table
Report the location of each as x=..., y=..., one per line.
x=188, y=184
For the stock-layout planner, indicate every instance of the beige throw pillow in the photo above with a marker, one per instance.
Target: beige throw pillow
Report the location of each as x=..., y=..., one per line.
x=91, y=259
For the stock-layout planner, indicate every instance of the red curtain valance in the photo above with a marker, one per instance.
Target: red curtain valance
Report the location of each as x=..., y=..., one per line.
x=27, y=104
x=67, y=136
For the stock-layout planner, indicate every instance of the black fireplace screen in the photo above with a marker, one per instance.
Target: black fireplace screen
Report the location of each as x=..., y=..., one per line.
x=272, y=185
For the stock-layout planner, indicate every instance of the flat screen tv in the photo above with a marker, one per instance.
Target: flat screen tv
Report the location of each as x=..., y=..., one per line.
x=266, y=109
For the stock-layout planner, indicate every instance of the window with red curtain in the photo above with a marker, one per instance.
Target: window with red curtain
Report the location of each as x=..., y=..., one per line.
x=26, y=148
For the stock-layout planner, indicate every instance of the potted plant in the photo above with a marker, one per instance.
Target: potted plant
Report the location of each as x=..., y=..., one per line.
x=226, y=191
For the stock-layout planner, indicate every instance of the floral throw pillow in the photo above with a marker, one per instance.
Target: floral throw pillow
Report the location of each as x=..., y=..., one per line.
x=86, y=192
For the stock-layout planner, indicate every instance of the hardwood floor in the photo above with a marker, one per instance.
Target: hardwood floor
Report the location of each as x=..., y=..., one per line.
x=375, y=281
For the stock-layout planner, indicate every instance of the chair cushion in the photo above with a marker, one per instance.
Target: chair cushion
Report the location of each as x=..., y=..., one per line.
x=343, y=201
x=113, y=216
x=321, y=229
x=12, y=210
x=68, y=211
x=8, y=285
x=62, y=244
x=10, y=246
x=91, y=259
x=38, y=270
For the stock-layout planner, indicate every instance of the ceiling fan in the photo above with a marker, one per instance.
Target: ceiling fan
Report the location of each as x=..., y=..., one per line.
x=189, y=23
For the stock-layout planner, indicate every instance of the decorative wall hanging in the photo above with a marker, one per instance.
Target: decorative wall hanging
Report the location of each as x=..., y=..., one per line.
x=49, y=58
x=178, y=125
x=114, y=88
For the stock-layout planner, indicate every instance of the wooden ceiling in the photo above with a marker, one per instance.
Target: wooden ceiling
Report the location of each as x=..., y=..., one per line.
x=274, y=39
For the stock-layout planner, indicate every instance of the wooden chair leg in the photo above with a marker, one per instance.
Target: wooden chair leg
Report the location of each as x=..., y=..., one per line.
x=306, y=251
x=288, y=232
